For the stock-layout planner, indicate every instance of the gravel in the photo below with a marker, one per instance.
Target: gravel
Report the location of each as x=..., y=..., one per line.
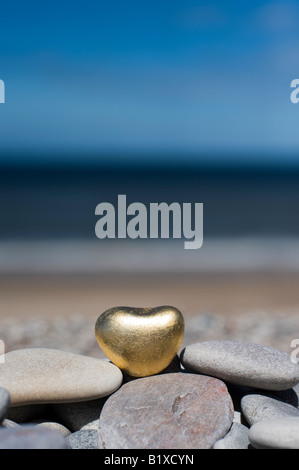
x=76, y=333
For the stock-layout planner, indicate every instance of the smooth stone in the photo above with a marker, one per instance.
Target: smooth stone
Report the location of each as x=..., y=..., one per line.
x=7, y=423
x=51, y=425
x=236, y=438
x=30, y=437
x=41, y=375
x=247, y=364
x=80, y=415
x=84, y=439
x=276, y=433
x=4, y=402
x=237, y=417
x=168, y=411
x=296, y=391
x=257, y=407
x=237, y=392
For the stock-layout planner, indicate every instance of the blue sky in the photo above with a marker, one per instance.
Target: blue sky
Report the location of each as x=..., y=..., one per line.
x=186, y=78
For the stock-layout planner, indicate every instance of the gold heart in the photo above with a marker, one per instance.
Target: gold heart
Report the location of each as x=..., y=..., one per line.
x=140, y=341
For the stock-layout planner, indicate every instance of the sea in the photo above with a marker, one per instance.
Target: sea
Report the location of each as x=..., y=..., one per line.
x=47, y=217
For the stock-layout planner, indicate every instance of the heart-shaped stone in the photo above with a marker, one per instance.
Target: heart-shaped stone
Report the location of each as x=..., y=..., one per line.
x=140, y=341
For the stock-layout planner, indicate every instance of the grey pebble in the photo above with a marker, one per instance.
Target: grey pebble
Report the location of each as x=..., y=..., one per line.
x=80, y=415
x=237, y=392
x=87, y=439
x=4, y=403
x=288, y=396
x=247, y=364
x=51, y=425
x=236, y=438
x=295, y=389
x=237, y=417
x=46, y=375
x=276, y=433
x=168, y=411
x=30, y=437
x=72, y=333
x=256, y=407
x=7, y=423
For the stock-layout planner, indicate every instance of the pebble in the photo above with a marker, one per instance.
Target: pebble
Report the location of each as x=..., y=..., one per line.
x=31, y=437
x=81, y=415
x=236, y=438
x=85, y=415
x=168, y=411
x=246, y=364
x=4, y=403
x=296, y=392
x=237, y=392
x=288, y=396
x=276, y=433
x=257, y=407
x=51, y=425
x=42, y=375
x=8, y=423
x=237, y=417
x=72, y=332
x=87, y=439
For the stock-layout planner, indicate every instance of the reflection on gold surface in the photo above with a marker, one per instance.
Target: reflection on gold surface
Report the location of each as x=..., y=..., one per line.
x=140, y=341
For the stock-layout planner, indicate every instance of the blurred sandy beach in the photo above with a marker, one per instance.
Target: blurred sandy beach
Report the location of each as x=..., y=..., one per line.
x=227, y=277
x=224, y=294
x=60, y=311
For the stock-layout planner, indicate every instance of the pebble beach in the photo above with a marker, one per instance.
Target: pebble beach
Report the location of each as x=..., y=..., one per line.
x=232, y=384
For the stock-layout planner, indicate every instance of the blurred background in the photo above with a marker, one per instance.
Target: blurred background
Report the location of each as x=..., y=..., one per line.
x=185, y=101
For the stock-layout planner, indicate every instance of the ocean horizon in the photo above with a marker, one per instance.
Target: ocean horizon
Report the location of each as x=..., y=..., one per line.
x=250, y=218
x=134, y=257
x=58, y=202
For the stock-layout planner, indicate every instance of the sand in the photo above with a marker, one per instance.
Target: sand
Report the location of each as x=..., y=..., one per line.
x=90, y=295
x=60, y=312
